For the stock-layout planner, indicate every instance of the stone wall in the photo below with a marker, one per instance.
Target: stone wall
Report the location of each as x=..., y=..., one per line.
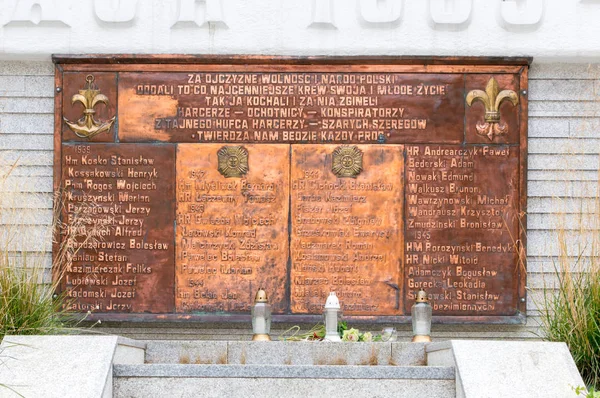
x=563, y=175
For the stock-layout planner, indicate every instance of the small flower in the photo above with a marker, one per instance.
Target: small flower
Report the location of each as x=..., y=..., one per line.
x=350, y=335
x=366, y=337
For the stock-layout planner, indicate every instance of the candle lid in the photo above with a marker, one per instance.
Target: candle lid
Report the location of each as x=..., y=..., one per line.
x=332, y=302
x=421, y=297
x=261, y=296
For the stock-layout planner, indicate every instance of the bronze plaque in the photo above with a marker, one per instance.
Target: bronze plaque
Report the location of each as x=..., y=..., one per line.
x=291, y=107
x=190, y=182
x=232, y=229
x=461, y=226
x=121, y=195
x=344, y=228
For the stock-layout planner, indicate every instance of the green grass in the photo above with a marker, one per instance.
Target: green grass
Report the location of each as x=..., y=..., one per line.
x=570, y=307
x=28, y=303
x=27, y=306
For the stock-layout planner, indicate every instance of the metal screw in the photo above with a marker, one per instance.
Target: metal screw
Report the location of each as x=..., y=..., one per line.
x=524, y=92
x=58, y=89
x=522, y=299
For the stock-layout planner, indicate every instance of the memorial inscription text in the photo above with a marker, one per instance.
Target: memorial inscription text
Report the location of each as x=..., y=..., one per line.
x=213, y=183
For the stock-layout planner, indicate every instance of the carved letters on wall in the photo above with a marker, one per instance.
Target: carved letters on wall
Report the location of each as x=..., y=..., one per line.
x=120, y=11
x=322, y=14
x=514, y=15
x=450, y=12
x=381, y=12
x=39, y=13
x=186, y=13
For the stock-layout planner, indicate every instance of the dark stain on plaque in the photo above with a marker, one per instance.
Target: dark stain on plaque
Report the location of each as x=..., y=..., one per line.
x=291, y=107
x=89, y=106
x=121, y=195
x=461, y=228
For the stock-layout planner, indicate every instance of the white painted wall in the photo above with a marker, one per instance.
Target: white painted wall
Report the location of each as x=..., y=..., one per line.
x=546, y=29
x=564, y=108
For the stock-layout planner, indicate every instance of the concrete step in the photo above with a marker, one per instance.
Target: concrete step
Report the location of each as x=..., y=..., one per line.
x=284, y=353
x=189, y=380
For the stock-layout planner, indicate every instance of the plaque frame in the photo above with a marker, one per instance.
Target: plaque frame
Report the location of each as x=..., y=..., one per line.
x=104, y=63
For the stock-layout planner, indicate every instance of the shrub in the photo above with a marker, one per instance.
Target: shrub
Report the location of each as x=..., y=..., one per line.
x=28, y=303
x=570, y=307
x=27, y=306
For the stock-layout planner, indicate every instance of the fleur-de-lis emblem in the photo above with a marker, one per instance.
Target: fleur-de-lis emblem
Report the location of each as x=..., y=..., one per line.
x=492, y=99
x=89, y=97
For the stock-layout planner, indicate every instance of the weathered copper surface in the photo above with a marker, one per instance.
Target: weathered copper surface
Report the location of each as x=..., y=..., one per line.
x=232, y=233
x=291, y=107
x=462, y=227
x=253, y=154
x=347, y=232
x=123, y=193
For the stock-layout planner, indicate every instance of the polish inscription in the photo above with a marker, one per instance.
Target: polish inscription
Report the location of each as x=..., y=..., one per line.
x=296, y=179
x=461, y=227
x=232, y=234
x=122, y=249
x=347, y=232
x=292, y=107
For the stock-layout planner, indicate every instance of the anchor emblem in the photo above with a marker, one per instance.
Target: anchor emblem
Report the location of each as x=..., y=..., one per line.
x=492, y=99
x=89, y=97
